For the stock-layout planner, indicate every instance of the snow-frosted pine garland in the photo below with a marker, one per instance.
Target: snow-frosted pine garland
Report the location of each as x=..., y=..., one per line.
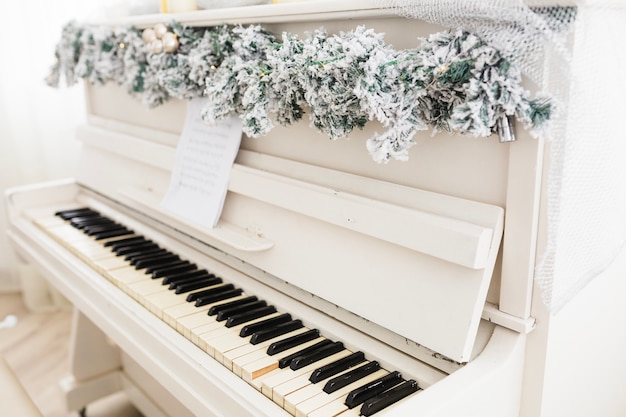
x=453, y=81
x=239, y=85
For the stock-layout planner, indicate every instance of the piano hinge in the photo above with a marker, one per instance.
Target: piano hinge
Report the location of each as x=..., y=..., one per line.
x=493, y=314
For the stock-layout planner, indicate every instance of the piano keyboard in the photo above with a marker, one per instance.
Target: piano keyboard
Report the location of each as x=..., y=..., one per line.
x=298, y=368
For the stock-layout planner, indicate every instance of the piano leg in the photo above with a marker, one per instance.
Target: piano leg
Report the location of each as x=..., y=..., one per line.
x=98, y=368
x=95, y=365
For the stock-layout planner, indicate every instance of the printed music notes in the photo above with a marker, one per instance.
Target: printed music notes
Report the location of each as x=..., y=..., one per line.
x=204, y=157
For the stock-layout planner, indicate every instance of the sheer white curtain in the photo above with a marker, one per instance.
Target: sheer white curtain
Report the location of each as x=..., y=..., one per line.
x=37, y=123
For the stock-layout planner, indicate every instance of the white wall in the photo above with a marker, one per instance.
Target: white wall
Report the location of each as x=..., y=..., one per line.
x=37, y=123
x=582, y=373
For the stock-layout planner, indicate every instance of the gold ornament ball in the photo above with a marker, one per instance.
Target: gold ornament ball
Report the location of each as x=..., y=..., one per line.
x=156, y=47
x=160, y=29
x=170, y=42
x=148, y=35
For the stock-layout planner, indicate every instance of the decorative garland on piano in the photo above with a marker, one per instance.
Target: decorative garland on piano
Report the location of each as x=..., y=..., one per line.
x=452, y=82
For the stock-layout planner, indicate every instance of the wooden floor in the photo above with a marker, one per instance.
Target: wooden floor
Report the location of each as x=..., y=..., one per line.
x=37, y=351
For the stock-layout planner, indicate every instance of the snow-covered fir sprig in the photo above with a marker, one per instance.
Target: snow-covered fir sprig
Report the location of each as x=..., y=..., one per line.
x=167, y=74
x=239, y=84
x=66, y=54
x=333, y=66
x=453, y=81
x=393, y=91
x=285, y=91
x=135, y=64
x=472, y=84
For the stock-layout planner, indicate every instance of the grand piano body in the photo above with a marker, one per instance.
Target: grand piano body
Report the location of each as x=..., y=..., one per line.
x=405, y=261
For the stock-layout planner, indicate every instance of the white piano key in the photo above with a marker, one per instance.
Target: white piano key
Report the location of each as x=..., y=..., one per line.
x=162, y=300
x=225, y=336
x=68, y=234
x=193, y=325
x=307, y=391
x=181, y=313
x=332, y=409
x=269, y=383
x=254, y=370
x=196, y=332
x=226, y=343
x=239, y=362
x=233, y=341
x=111, y=263
x=286, y=388
x=303, y=388
x=91, y=250
x=258, y=382
x=300, y=384
x=123, y=277
x=259, y=349
x=140, y=289
x=47, y=222
x=209, y=326
x=174, y=315
x=350, y=412
x=305, y=407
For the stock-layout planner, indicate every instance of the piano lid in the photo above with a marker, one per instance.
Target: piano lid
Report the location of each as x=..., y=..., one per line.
x=319, y=219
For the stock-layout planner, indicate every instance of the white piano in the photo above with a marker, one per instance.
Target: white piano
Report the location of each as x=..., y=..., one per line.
x=425, y=266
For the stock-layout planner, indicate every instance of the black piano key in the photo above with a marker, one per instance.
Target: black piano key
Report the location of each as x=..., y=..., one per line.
x=159, y=260
x=312, y=357
x=249, y=329
x=334, y=368
x=88, y=216
x=150, y=255
x=133, y=241
x=96, y=233
x=257, y=313
x=113, y=233
x=114, y=244
x=94, y=230
x=170, y=278
x=130, y=250
x=82, y=222
x=195, y=296
x=68, y=214
x=281, y=329
x=292, y=341
x=384, y=400
x=177, y=262
x=284, y=362
x=217, y=308
x=225, y=313
x=349, y=377
x=189, y=280
x=220, y=296
x=192, y=286
x=359, y=395
x=143, y=253
x=73, y=211
x=162, y=272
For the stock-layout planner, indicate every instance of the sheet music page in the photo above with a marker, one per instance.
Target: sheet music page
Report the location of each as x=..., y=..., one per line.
x=204, y=158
